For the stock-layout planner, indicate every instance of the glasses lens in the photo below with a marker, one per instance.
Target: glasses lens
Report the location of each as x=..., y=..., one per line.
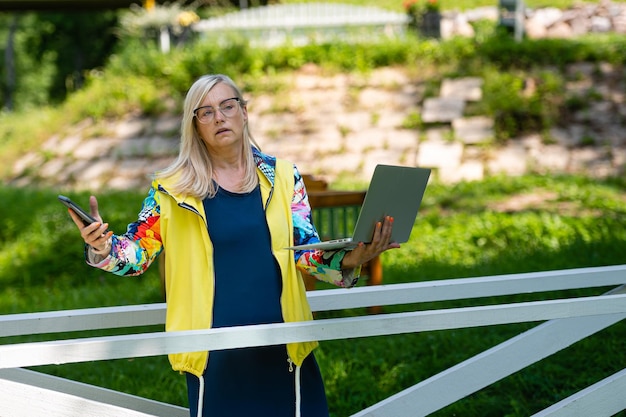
x=229, y=107
x=205, y=114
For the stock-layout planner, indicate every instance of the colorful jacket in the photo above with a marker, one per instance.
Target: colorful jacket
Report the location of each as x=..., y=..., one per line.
x=177, y=225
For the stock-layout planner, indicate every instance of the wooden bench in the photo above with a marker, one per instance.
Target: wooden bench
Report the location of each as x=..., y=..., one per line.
x=334, y=214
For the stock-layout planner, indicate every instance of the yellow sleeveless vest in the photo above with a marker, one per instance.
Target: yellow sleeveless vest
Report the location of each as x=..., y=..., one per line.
x=189, y=279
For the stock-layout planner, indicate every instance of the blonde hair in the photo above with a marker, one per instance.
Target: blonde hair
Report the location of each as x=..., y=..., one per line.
x=193, y=166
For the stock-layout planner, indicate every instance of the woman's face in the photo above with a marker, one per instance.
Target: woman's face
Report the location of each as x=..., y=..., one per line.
x=220, y=118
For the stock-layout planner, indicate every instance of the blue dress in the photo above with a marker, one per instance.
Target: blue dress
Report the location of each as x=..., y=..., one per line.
x=249, y=381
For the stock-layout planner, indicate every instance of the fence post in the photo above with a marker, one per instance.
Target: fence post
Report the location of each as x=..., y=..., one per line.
x=512, y=14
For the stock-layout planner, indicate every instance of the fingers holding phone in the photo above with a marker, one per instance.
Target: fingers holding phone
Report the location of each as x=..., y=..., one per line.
x=99, y=238
x=94, y=232
x=93, y=208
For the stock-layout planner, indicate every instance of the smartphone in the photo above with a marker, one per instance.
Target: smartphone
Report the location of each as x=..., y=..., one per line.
x=85, y=217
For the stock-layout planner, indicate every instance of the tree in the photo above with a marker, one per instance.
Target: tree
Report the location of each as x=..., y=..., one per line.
x=46, y=54
x=9, y=60
x=81, y=40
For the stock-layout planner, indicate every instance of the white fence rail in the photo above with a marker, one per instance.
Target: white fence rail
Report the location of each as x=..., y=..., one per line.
x=571, y=320
x=33, y=394
x=299, y=23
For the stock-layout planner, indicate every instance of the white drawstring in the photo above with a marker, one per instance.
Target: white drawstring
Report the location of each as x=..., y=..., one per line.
x=298, y=399
x=200, y=395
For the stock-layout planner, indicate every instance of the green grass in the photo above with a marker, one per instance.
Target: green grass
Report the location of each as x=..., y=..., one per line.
x=462, y=231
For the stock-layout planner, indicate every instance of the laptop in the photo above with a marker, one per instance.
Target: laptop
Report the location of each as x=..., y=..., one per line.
x=395, y=191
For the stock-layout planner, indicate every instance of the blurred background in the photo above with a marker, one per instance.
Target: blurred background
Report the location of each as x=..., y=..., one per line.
x=518, y=107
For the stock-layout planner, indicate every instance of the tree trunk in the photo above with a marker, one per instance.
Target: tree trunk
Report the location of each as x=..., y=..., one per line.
x=9, y=60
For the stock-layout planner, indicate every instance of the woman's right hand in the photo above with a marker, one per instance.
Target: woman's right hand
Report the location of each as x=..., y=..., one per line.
x=95, y=234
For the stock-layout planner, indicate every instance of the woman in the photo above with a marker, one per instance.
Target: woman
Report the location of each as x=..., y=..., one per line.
x=224, y=213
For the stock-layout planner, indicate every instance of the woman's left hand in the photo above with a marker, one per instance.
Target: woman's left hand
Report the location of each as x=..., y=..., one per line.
x=366, y=251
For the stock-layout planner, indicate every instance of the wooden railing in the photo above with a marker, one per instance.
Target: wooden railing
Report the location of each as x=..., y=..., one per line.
x=570, y=320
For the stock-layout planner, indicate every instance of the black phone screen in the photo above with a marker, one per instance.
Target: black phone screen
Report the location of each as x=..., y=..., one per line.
x=85, y=217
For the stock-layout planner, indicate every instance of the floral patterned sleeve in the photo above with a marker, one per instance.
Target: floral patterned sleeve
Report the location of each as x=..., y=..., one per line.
x=323, y=265
x=133, y=252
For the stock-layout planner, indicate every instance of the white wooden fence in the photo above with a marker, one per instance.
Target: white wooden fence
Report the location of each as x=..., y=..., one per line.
x=28, y=393
x=300, y=23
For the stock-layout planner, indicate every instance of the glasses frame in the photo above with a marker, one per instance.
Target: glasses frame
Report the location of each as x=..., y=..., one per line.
x=195, y=111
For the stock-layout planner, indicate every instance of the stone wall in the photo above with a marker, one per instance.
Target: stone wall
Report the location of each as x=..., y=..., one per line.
x=550, y=22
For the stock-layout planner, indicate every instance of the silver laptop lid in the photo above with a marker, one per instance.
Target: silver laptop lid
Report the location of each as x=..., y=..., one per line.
x=395, y=191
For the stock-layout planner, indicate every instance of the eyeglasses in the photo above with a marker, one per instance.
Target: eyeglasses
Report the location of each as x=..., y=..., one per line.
x=206, y=114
